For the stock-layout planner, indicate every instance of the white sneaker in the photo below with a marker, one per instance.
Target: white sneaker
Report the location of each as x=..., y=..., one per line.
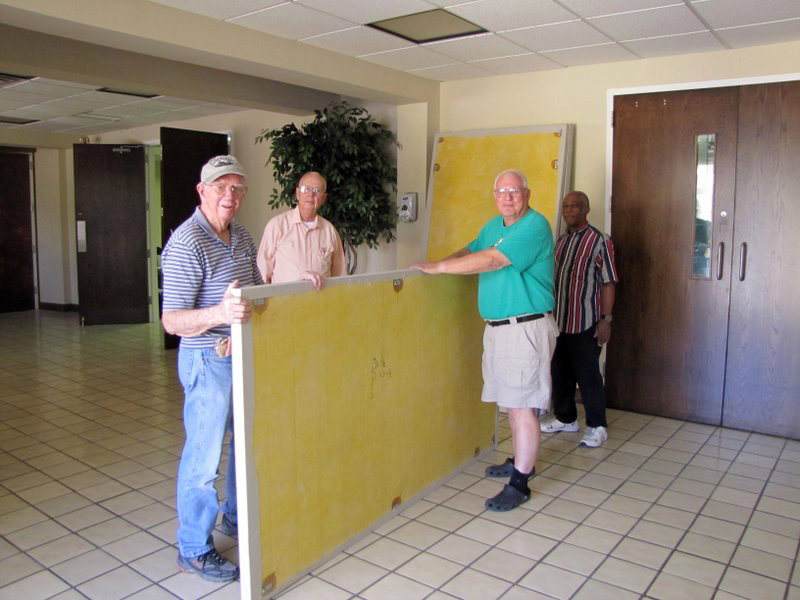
x=594, y=437
x=550, y=424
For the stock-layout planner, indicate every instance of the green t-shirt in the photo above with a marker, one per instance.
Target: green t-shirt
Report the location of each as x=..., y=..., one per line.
x=526, y=285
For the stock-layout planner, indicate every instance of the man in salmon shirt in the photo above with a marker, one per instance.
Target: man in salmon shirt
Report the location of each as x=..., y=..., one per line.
x=299, y=244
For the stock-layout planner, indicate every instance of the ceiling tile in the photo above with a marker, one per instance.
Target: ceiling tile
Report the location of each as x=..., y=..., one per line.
x=757, y=35
x=498, y=15
x=21, y=99
x=292, y=21
x=729, y=13
x=452, y=72
x=45, y=88
x=69, y=84
x=408, y=59
x=596, y=8
x=6, y=104
x=649, y=23
x=357, y=41
x=684, y=43
x=220, y=10
x=39, y=111
x=73, y=121
x=557, y=36
x=476, y=47
x=367, y=11
x=127, y=110
x=518, y=64
x=40, y=126
x=107, y=98
x=587, y=55
x=76, y=104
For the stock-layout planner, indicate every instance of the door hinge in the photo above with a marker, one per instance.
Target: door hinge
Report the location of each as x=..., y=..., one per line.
x=613, y=118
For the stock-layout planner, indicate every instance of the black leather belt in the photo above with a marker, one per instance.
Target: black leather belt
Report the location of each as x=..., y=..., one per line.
x=521, y=319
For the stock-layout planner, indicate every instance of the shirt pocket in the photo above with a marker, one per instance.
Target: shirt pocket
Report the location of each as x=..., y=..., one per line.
x=322, y=260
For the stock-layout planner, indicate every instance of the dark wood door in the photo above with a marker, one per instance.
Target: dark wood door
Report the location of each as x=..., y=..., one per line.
x=667, y=352
x=16, y=242
x=110, y=212
x=184, y=152
x=762, y=386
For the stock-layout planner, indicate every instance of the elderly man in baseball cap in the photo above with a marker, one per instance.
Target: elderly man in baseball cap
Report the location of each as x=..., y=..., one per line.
x=207, y=256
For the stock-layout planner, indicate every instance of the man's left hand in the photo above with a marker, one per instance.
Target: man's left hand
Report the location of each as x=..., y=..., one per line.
x=602, y=332
x=317, y=280
x=431, y=268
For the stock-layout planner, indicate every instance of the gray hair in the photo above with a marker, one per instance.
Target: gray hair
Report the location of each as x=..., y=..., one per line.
x=519, y=174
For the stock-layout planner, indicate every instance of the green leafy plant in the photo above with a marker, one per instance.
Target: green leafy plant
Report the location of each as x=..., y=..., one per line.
x=346, y=145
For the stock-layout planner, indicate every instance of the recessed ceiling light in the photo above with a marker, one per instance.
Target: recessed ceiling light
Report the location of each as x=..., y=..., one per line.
x=126, y=93
x=17, y=121
x=7, y=79
x=428, y=26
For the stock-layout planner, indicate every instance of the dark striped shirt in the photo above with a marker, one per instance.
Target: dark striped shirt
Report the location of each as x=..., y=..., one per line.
x=584, y=262
x=197, y=268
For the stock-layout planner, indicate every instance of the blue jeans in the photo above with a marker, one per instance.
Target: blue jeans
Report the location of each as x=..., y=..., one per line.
x=207, y=415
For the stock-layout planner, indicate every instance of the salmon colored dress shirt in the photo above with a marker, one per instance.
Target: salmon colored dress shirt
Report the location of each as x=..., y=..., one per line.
x=289, y=249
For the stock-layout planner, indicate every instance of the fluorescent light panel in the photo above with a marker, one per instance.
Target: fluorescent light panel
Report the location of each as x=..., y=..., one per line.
x=126, y=93
x=428, y=26
x=17, y=120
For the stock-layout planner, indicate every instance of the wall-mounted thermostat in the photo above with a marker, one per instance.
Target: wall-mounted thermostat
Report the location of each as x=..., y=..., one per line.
x=408, y=207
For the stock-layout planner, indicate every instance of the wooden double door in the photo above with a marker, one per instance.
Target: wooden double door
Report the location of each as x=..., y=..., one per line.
x=720, y=344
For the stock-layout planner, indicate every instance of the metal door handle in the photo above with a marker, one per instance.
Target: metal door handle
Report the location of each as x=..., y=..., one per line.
x=742, y=260
x=81, y=235
x=720, y=255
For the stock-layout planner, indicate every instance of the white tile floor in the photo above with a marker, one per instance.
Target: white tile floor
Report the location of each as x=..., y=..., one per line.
x=91, y=431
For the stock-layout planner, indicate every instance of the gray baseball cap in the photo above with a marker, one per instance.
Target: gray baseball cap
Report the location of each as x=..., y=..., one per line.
x=218, y=166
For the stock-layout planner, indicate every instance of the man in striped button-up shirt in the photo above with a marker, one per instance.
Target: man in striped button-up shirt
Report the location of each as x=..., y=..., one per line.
x=584, y=285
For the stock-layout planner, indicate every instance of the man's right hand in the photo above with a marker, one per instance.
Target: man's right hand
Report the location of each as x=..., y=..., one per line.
x=233, y=309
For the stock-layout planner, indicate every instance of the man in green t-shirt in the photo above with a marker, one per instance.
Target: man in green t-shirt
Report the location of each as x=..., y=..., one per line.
x=513, y=256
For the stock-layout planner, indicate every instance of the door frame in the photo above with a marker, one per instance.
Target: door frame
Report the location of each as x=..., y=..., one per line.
x=611, y=93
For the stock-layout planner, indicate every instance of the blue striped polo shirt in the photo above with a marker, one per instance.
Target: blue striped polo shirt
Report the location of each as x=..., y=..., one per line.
x=197, y=268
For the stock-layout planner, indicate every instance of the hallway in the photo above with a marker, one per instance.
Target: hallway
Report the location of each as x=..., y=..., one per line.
x=91, y=432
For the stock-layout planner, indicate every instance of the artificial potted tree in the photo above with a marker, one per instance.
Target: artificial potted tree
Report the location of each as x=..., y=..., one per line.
x=353, y=152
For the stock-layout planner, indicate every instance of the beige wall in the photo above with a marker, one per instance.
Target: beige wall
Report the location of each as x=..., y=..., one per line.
x=55, y=211
x=579, y=95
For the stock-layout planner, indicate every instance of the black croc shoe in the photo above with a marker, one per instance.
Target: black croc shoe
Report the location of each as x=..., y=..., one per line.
x=508, y=499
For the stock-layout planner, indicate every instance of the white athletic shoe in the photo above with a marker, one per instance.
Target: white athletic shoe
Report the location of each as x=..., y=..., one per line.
x=550, y=424
x=594, y=437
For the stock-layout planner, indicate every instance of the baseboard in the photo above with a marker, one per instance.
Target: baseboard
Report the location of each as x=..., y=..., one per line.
x=58, y=307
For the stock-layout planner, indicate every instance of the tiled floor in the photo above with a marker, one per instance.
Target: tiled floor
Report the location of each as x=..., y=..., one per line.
x=90, y=435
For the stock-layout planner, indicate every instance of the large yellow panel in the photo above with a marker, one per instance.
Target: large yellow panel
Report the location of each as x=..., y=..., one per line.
x=464, y=171
x=364, y=396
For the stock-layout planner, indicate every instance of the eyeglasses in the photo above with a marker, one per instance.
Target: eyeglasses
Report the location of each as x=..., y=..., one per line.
x=307, y=189
x=504, y=191
x=237, y=191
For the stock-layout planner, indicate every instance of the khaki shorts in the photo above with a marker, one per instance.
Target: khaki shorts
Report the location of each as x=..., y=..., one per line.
x=516, y=363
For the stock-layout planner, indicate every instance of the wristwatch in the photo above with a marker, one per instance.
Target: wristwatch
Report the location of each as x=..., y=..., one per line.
x=607, y=318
